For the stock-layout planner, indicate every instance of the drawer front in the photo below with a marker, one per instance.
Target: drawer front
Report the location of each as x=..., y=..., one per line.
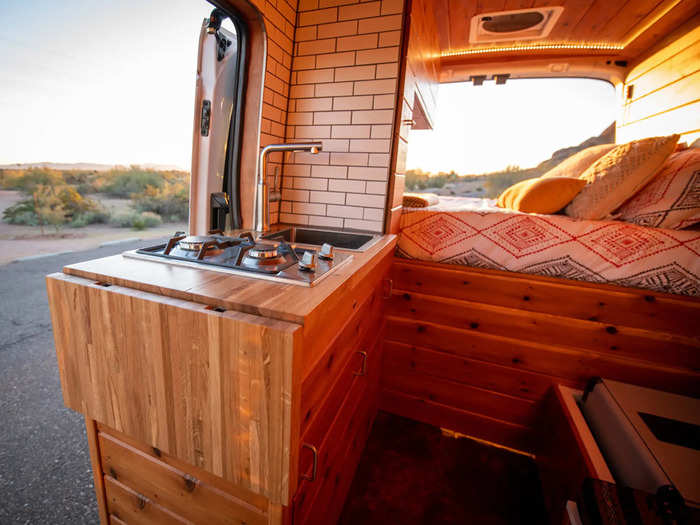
x=142, y=488
x=318, y=387
x=128, y=506
x=321, y=500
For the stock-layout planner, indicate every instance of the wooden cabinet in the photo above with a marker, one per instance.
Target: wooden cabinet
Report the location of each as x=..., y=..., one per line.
x=198, y=414
x=334, y=428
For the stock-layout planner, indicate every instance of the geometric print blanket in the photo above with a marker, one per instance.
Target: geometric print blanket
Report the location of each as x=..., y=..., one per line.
x=475, y=232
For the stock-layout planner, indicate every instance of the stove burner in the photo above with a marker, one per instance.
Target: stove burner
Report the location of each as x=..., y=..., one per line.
x=192, y=243
x=263, y=251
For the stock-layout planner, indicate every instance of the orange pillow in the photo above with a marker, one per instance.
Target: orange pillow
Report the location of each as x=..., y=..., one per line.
x=548, y=195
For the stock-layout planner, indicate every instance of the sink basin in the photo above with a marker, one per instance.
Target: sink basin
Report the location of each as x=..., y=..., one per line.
x=315, y=237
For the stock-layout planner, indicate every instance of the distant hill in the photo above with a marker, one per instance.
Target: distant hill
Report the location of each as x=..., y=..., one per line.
x=492, y=184
x=82, y=166
x=606, y=137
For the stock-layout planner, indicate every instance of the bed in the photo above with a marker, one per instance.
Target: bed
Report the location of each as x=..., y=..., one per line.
x=475, y=232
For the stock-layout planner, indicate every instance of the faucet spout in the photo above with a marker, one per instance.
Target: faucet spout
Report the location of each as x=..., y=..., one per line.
x=262, y=195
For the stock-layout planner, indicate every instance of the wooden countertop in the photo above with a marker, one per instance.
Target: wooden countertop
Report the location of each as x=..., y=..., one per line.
x=286, y=302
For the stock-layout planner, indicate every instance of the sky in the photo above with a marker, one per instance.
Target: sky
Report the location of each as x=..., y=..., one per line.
x=98, y=81
x=113, y=82
x=479, y=129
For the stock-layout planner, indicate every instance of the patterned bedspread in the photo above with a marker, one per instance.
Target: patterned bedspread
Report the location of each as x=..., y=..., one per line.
x=474, y=232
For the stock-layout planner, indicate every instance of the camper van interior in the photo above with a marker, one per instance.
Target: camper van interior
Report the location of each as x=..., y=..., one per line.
x=332, y=343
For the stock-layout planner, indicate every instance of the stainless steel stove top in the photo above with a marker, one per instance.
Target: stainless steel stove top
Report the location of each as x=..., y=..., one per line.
x=261, y=259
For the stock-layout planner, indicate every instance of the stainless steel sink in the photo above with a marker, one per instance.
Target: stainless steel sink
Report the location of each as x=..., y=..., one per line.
x=343, y=240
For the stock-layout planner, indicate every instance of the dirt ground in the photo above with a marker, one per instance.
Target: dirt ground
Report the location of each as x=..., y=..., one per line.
x=17, y=242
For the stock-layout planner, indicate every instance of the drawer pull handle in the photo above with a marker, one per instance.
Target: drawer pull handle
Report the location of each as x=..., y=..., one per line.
x=363, y=370
x=314, y=467
x=388, y=288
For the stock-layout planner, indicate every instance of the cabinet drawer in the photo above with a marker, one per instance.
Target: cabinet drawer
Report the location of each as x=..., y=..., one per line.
x=128, y=506
x=324, y=388
x=143, y=487
x=321, y=500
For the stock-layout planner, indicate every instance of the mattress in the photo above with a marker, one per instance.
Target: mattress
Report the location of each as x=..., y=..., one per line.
x=475, y=232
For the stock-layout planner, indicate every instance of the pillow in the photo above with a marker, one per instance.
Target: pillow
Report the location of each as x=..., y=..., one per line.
x=575, y=165
x=541, y=195
x=672, y=198
x=419, y=200
x=618, y=175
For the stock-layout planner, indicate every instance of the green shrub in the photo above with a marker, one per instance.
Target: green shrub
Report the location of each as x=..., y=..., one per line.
x=97, y=216
x=137, y=220
x=171, y=201
x=21, y=212
x=125, y=183
x=44, y=207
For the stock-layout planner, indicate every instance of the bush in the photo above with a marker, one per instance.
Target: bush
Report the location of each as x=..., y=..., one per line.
x=136, y=220
x=46, y=206
x=125, y=183
x=171, y=201
x=21, y=212
x=28, y=180
x=98, y=216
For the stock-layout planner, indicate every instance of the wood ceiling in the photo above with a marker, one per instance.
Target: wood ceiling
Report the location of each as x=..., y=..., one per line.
x=634, y=24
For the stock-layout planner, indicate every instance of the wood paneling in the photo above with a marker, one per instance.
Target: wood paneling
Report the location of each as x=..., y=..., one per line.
x=466, y=346
x=417, y=95
x=548, y=328
x=213, y=389
x=637, y=25
x=611, y=305
x=665, y=89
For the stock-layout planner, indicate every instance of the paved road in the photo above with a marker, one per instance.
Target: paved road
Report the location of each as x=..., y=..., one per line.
x=45, y=474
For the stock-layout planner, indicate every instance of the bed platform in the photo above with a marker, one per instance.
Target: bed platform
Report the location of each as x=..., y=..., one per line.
x=476, y=350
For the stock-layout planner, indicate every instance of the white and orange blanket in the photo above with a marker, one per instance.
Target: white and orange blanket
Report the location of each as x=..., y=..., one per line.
x=475, y=232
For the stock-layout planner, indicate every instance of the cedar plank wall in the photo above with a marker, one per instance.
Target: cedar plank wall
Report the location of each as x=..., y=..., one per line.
x=476, y=350
x=420, y=76
x=666, y=89
x=343, y=91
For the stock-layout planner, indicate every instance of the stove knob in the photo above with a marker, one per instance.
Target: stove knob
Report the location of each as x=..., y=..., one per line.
x=308, y=261
x=326, y=252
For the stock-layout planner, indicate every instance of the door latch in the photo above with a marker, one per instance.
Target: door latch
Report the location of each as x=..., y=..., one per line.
x=205, y=118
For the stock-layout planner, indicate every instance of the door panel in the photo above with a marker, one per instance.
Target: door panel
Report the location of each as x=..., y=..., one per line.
x=215, y=99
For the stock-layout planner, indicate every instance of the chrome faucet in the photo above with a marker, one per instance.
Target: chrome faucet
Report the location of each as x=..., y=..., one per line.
x=262, y=196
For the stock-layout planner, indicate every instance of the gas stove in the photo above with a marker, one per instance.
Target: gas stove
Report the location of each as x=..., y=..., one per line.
x=244, y=255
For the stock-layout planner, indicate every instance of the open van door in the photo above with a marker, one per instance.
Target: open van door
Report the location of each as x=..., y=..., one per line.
x=214, y=202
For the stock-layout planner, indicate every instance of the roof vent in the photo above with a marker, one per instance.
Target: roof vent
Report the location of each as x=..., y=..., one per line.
x=520, y=24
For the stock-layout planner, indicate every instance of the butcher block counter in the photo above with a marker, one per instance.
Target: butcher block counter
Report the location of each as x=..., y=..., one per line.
x=218, y=398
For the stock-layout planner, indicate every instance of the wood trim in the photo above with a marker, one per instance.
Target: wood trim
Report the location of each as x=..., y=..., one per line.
x=595, y=463
x=94, y=447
